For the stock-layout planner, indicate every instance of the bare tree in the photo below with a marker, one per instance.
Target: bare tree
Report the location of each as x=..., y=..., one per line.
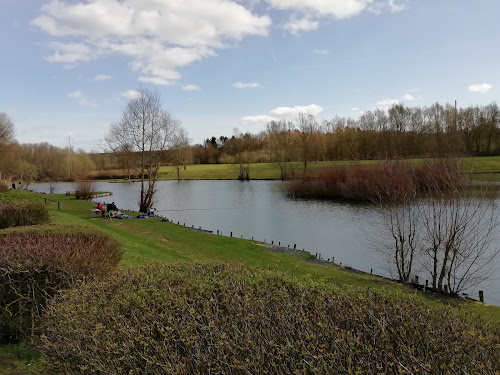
x=145, y=130
x=451, y=234
x=181, y=153
x=308, y=128
x=280, y=142
x=459, y=232
x=6, y=135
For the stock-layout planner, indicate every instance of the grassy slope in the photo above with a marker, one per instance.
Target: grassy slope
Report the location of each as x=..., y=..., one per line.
x=484, y=168
x=148, y=241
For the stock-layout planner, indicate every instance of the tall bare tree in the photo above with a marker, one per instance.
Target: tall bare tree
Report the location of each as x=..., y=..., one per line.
x=6, y=136
x=181, y=153
x=145, y=130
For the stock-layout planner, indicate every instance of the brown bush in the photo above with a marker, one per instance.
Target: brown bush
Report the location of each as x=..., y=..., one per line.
x=388, y=182
x=215, y=319
x=3, y=187
x=36, y=264
x=84, y=189
x=16, y=215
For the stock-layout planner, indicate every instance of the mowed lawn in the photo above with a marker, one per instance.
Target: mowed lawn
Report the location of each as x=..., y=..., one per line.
x=480, y=168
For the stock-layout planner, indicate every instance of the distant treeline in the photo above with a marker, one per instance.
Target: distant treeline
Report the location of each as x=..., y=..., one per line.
x=400, y=132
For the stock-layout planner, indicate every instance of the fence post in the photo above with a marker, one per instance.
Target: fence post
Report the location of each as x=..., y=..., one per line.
x=294, y=246
x=481, y=296
x=58, y=206
x=231, y=234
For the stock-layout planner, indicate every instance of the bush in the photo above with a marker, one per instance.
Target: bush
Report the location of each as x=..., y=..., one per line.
x=16, y=215
x=389, y=182
x=85, y=189
x=3, y=187
x=214, y=319
x=36, y=264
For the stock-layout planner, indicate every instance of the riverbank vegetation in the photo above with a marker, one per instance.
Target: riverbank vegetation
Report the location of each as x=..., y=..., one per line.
x=251, y=304
x=387, y=182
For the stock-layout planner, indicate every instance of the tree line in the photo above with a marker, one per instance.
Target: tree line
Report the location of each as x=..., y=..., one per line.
x=41, y=161
x=399, y=132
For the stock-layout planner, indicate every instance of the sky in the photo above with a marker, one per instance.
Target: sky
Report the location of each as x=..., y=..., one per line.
x=69, y=67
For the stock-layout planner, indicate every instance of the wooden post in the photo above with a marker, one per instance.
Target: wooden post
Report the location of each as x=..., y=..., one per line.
x=481, y=296
x=279, y=243
x=294, y=246
x=231, y=234
x=316, y=255
x=252, y=238
x=58, y=207
x=217, y=232
x=272, y=242
x=371, y=270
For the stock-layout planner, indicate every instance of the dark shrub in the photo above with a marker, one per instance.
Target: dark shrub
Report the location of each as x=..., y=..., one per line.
x=36, y=264
x=17, y=215
x=84, y=189
x=215, y=319
x=382, y=183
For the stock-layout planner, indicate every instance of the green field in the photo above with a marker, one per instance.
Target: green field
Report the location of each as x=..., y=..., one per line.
x=480, y=168
x=147, y=241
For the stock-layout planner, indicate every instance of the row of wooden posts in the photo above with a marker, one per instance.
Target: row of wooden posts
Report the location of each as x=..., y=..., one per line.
x=319, y=257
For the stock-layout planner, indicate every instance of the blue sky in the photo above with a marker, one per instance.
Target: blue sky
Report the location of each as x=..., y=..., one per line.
x=68, y=67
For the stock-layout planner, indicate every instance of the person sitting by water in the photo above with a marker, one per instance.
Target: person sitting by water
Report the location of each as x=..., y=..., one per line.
x=100, y=208
x=114, y=208
x=109, y=208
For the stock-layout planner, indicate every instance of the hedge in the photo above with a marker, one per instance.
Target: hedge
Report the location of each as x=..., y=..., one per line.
x=221, y=319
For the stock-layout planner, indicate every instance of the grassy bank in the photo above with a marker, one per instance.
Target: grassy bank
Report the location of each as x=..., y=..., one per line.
x=149, y=241
x=482, y=168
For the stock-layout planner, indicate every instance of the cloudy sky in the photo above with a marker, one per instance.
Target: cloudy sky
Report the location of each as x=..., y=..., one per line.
x=68, y=67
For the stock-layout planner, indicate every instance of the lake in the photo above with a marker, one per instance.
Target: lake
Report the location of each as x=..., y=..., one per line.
x=262, y=210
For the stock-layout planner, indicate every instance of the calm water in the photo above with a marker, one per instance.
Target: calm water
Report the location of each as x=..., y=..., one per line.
x=261, y=209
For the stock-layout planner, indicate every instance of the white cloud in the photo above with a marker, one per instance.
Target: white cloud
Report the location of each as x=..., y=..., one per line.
x=338, y=9
x=283, y=113
x=296, y=25
x=191, y=87
x=385, y=104
x=408, y=97
x=82, y=99
x=482, y=88
x=68, y=53
x=159, y=36
x=130, y=94
x=102, y=77
x=395, y=7
x=249, y=85
x=321, y=51
x=260, y=119
x=312, y=109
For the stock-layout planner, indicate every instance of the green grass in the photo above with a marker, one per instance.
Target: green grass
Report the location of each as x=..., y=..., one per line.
x=147, y=241
x=482, y=168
